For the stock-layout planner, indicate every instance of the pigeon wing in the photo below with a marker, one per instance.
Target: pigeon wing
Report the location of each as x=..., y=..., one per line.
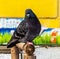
x=19, y=34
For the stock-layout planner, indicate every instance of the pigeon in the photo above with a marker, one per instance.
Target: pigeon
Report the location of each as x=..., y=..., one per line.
x=27, y=30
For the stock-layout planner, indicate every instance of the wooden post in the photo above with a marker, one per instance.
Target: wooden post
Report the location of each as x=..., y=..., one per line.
x=29, y=57
x=20, y=45
x=29, y=52
x=28, y=49
x=14, y=53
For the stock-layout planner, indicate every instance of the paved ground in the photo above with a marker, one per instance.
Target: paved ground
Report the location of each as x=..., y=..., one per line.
x=41, y=53
x=50, y=53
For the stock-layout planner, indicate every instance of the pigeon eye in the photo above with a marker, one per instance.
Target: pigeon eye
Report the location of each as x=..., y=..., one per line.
x=28, y=15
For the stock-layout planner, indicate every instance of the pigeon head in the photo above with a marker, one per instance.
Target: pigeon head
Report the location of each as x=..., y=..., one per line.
x=29, y=13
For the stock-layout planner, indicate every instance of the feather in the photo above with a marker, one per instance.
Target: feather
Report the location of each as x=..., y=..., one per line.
x=27, y=30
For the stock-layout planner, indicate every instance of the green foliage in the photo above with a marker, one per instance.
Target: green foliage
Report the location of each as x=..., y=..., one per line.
x=46, y=39
x=43, y=39
x=37, y=40
x=4, y=38
x=58, y=39
x=1, y=36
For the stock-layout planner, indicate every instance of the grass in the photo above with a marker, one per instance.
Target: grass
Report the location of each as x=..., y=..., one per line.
x=43, y=39
x=4, y=38
x=46, y=39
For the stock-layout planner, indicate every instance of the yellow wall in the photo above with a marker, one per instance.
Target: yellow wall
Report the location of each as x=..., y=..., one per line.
x=46, y=10
x=52, y=23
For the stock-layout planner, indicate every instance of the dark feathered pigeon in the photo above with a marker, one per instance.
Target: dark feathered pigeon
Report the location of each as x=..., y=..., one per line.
x=27, y=30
